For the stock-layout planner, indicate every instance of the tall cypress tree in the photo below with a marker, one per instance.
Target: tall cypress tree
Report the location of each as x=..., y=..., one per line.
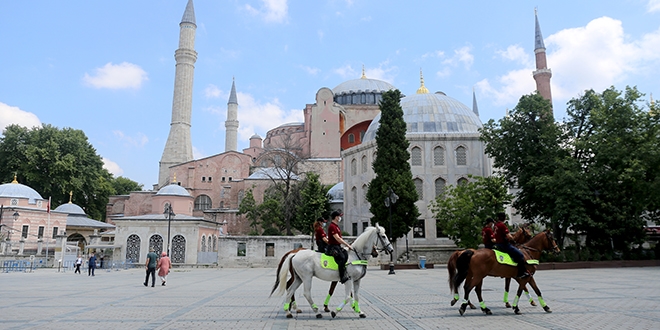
x=392, y=170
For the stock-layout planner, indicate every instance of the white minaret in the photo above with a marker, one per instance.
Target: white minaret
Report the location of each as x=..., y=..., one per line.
x=178, y=148
x=231, y=124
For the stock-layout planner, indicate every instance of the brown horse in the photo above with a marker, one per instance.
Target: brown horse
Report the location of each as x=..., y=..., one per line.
x=473, y=265
x=522, y=235
x=333, y=285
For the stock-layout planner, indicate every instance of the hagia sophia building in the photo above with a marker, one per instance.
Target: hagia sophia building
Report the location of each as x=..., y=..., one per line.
x=337, y=138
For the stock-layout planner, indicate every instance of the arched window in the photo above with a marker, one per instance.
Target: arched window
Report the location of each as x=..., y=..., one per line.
x=215, y=243
x=439, y=186
x=439, y=156
x=365, y=165
x=133, y=248
x=351, y=138
x=203, y=244
x=178, y=249
x=354, y=196
x=156, y=243
x=462, y=181
x=354, y=167
x=202, y=202
x=364, y=193
x=461, y=156
x=419, y=187
x=416, y=156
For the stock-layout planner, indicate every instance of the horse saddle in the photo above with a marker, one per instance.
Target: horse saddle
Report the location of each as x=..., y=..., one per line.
x=505, y=259
x=328, y=262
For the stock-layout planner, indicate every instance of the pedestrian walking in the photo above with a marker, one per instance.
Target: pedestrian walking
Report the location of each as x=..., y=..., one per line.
x=78, y=264
x=150, y=265
x=164, y=265
x=91, y=265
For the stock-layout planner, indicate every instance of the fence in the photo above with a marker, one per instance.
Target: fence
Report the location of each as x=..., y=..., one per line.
x=18, y=266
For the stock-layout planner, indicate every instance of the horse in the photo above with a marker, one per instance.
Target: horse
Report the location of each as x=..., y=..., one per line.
x=522, y=235
x=306, y=264
x=331, y=291
x=473, y=265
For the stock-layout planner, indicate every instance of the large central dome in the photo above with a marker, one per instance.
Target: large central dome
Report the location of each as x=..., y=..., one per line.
x=432, y=113
x=361, y=91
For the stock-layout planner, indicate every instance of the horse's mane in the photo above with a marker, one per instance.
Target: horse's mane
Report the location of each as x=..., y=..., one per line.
x=362, y=240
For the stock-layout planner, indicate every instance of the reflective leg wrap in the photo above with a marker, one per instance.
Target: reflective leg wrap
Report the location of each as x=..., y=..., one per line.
x=482, y=304
x=515, y=301
x=464, y=301
x=286, y=306
x=529, y=297
x=327, y=300
x=506, y=296
x=543, y=304
x=456, y=296
x=314, y=307
x=355, y=306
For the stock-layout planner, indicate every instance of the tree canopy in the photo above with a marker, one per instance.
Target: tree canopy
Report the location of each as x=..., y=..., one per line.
x=392, y=170
x=57, y=161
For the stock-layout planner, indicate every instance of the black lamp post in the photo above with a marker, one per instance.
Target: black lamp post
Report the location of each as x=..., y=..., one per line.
x=389, y=200
x=169, y=214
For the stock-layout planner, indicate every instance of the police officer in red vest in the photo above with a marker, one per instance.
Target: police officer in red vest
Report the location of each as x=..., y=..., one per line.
x=335, y=242
x=503, y=241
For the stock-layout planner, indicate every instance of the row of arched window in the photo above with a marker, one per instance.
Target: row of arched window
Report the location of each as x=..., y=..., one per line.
x=203, y=202
x=439, y=187
x=416, y=158
x=361, y=98
x=178, y=247
x=209, y=244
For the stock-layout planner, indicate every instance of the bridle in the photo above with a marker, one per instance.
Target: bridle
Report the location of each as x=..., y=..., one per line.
x=384, y=246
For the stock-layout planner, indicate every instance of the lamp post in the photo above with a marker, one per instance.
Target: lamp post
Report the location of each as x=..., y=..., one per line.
x=389, y=201
x=169, y=214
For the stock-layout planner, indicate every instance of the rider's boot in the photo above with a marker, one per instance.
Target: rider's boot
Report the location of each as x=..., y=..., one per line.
x=342, y=275
x=522, y=271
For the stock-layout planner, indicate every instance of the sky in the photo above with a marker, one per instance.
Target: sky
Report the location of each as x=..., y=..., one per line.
x=107, y=68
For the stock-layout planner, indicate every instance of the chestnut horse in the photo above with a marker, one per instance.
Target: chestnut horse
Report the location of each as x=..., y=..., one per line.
x=473, y=265
x=522, y=235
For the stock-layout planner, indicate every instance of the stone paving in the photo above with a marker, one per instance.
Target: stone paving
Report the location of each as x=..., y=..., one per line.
x=621, y=298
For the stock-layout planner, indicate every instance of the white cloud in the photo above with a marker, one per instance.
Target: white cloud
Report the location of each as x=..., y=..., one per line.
x=257, y=117
x=272, y=11
x=310, y=70
x=653, y=6
x=212, y=92
x=516, y=54
x=116, y=76
x=463, y=56
x=139, y=140
x=13, y=115
x=321, y=34
x=346, y=72
x=112, y=167
x=595, y=56
x=197, y=153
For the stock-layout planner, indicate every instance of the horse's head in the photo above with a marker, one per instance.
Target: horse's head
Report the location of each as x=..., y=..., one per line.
x=522, y=235
x=551, y=244
x=383, y=240
x=374, y=252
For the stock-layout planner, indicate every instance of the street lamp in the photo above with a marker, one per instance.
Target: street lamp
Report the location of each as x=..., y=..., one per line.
x=169, y=214
x=389, y=201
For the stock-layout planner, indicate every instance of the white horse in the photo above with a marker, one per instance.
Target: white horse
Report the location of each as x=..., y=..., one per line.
x=306, y=264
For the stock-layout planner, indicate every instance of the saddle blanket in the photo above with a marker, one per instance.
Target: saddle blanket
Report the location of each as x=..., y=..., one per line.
x=328, y=262
x=505, y=259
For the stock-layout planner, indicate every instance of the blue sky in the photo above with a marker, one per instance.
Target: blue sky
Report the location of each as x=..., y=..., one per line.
x=107, y=68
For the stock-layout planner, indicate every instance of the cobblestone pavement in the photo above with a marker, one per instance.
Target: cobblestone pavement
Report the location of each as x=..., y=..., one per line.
x=621, y=298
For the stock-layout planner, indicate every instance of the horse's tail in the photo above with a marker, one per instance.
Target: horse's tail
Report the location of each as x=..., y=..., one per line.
x=451, y=268
x=280, y=276
x=462, y=266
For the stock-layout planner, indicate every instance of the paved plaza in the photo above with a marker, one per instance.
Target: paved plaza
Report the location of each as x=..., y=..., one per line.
x=620, y=298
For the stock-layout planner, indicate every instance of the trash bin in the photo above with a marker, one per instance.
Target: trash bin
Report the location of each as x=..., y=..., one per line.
x=422, y=262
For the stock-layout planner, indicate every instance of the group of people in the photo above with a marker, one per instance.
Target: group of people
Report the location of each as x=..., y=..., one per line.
x=495, y=234
x=153, y=263
x=332, y=242
x=91, y=264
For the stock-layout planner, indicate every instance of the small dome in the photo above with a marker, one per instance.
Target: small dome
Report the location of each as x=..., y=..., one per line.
x=336, y=193
x=17, y=190
x=173, y=189
x=70, y=208
x=432, y=113
x=256, y=136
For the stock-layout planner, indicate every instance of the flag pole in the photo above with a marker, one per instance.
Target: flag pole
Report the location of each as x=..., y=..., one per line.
x=47, y=227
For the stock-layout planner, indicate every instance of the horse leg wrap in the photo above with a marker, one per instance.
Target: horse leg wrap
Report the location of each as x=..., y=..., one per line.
x=529, y=297
x=456, y=297
x=327, y=300
x=543, y=304
x=355, y=306
x=515, y=301
x=314, y=307
x=506, y=296
x=482, y=304
x=286, y=306
x=464, y=302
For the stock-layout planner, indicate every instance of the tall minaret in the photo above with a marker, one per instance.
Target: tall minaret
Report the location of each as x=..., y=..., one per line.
x=178, y=148
x=231, y=124
x=475, y=108
x=542, y=74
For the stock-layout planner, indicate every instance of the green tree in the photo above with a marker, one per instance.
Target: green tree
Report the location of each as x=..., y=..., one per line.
x=392, y=170
x=461, y=210
x=123, y=186
x=314, y=203
x=249, y=208
x=270, y=212
x=54, y=162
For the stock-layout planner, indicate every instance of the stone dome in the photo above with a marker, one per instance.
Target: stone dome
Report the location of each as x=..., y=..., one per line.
x=17, y=190
x=173, y=190
x=70, y=208
x=336, y=193
x=361, y=91
x=432, y=113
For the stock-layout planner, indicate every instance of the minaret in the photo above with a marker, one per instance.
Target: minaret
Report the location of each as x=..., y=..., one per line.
x=178, y=148
x=475, y=108
x=231, y=124
x=542, y=74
